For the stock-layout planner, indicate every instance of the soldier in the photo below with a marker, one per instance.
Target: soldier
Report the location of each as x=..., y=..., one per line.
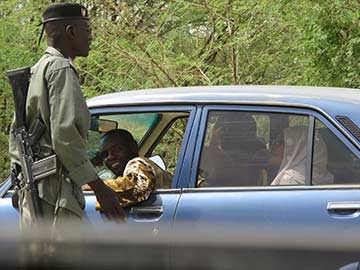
x=55, y=97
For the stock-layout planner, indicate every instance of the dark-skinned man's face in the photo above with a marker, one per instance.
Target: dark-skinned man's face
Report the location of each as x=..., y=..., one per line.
x=81, y=43
x=117, y=153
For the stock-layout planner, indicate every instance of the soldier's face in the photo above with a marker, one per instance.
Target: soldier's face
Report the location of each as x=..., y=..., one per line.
x=83, y=38
x=117, y=154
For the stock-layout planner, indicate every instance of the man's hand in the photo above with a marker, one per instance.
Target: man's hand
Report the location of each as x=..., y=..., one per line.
x=108, y=200
x=96, y=158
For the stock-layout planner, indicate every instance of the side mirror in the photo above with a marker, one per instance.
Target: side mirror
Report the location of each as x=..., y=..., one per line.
x=102, y=125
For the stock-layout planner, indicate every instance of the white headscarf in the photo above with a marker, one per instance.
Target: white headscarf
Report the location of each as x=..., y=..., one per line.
x=292, y=169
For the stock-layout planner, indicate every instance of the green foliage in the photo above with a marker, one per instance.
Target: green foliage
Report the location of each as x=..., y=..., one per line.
x=18, y=48
x=4, y=161
x=330, y=44
x=169, y=146
x=147, y=44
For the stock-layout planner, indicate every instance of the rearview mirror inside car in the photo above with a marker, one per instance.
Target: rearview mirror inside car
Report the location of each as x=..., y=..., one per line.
x=102, y=125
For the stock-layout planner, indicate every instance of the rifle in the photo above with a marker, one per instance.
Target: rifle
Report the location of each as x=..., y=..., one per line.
x=19, y=80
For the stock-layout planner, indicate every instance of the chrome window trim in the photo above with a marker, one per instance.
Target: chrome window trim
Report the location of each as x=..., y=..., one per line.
x=163, y=190
x=157, y=191
x=271, y=188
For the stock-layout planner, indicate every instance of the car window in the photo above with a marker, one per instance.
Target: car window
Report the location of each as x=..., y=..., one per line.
x=253, y=149
x=168, y=147
x=334, y=161
x=158, y=134
x=138, y=125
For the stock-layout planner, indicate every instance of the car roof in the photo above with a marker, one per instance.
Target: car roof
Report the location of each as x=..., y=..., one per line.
x=329, y=100
x=233, y=94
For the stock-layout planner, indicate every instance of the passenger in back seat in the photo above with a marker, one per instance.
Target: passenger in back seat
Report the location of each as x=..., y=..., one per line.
x=232, y=157
x=292, y=169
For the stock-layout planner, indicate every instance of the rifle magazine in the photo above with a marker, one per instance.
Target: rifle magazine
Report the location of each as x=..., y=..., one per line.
x=44, y=167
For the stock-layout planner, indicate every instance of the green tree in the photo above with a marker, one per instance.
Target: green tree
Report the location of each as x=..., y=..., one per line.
x=162, y=43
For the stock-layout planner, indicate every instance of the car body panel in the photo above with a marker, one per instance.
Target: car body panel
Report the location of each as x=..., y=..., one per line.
x=271, y=211
x=8, y=214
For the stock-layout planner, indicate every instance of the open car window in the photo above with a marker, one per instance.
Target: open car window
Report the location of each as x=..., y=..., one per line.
x=158, y=134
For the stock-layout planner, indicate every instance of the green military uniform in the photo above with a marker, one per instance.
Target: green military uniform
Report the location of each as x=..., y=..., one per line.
x=55, y=97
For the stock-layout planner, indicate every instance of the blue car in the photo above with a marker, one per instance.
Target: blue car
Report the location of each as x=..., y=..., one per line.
x=282, y=159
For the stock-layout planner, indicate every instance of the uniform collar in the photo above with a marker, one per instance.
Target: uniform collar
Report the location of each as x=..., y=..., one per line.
x=55, y=52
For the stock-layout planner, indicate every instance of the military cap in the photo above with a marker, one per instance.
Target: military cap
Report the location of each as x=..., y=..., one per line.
x=64, y=11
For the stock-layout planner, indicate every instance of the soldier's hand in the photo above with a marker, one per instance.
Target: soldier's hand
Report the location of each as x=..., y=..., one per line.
x=108, y=200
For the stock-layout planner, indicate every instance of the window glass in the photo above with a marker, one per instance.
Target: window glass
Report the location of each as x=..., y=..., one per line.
x=253, y=149
x=334, y=163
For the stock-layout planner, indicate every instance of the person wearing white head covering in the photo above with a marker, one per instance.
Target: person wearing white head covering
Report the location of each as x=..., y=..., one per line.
x=292, y=169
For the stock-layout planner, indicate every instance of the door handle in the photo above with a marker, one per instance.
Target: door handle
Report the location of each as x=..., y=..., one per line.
x=344, y=210
x=343, y=206
x=144, y=211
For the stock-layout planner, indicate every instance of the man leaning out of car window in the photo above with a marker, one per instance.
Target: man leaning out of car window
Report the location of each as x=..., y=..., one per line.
x=135, y=177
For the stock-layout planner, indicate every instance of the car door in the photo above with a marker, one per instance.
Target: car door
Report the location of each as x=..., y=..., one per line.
x=8, y=214
x=249, y=207
x=164, y=133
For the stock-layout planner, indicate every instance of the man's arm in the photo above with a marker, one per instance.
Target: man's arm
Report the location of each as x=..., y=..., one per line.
x=107, y=198
x=136, y=184
x=69, y=125
x=143, y=173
